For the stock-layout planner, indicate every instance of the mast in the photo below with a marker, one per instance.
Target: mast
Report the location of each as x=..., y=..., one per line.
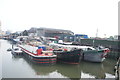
x=97, y=33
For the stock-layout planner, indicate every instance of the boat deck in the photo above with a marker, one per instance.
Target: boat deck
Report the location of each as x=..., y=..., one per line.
x=31, y=50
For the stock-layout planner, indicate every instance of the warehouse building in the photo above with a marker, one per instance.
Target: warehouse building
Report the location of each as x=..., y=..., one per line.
x=50, y=32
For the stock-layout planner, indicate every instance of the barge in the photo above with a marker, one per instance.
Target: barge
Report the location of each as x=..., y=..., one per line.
x=95, y=55
x=89, y=53
x=47, y=57
x=69, y=57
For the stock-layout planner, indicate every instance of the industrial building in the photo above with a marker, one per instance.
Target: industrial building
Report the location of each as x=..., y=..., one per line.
x=50, y=32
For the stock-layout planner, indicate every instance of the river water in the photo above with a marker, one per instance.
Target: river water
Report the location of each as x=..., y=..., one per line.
x=19, y=67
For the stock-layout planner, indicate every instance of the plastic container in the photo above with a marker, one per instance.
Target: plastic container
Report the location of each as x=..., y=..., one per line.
x=43, y=47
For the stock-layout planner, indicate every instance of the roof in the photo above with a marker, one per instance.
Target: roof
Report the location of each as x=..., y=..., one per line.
x=51, y=30
x=32, y=30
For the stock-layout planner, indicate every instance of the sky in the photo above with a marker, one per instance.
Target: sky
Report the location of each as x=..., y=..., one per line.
x=80, y=16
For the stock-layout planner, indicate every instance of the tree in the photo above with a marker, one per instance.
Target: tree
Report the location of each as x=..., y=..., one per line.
x=111, y=38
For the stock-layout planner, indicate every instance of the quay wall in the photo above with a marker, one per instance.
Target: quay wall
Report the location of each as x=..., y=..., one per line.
x=117, y=70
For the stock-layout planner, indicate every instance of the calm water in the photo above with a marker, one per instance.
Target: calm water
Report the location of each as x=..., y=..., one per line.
x=19, y=67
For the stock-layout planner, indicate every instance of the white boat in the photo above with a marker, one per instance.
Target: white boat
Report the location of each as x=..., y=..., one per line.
x=16, y=50
x=20, y=39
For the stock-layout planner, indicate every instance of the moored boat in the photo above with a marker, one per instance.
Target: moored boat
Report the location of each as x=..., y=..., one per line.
x=95, y=55
x=30, y=52
x=16, y=50
x=69, y=57
x=89, y=53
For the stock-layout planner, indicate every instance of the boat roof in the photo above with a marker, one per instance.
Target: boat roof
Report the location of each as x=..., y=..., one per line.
x=72, y=46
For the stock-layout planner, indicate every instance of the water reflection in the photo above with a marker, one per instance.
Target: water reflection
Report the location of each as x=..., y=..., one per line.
x=109, y=66
x=83, y=70
x=67, y=71
x=93, y=69
x=39, y=69
x=70, y=71
x=42, y=70
x=15, y=57
x=59, y=70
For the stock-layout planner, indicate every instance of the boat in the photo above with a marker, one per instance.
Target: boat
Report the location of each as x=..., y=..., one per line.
x=9, y=49
x=95, y=55
x=69, y=57
x=47, y=57
x=19, y=39
x=16, y=50
x=89, y=53
x=67, y=54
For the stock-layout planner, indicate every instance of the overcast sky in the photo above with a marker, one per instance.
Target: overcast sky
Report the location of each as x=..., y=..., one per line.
x=79, y=16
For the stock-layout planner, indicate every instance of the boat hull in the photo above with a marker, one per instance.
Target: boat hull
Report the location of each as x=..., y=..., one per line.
x=94, y=56
x=39, y=59
x=17, y=53
x=69, y=57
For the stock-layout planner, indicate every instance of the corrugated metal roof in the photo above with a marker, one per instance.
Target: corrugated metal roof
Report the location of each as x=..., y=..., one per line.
x=51, y=30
